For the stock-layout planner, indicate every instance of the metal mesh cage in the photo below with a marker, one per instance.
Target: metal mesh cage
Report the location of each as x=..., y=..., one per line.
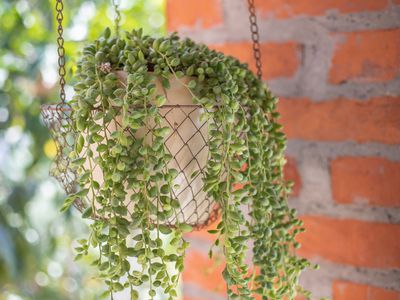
x=187, y=143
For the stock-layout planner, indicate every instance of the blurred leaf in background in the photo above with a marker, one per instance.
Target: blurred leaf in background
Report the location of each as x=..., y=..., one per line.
x=36, y=257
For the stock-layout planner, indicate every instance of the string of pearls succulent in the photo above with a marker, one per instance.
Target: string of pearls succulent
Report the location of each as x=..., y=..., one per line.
x=243, y=173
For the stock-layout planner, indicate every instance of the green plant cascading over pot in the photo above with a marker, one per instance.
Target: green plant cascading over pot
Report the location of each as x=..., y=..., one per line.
x=243, y=132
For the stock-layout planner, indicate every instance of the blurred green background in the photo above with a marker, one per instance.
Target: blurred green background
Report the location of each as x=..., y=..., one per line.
x=36, y=253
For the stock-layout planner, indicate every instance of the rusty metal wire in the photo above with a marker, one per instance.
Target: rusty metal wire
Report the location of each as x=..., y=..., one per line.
x=200, y=210
x=57, y=120
x=185, y=147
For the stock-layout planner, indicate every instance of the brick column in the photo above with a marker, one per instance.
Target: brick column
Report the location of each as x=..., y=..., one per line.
x=336, y=67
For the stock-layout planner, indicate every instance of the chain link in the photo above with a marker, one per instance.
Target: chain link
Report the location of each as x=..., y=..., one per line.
x=61, y=49
x=117, y=19
x=255, y=37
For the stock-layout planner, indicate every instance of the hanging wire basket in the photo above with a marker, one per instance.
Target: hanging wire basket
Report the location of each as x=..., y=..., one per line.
x=187, y=143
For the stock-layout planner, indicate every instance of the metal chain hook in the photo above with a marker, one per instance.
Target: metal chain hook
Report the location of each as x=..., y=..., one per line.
x=61, y=49
x=255, y=37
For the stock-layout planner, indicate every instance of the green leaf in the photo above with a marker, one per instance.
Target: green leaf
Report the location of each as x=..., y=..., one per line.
x=138, y=237
x=65, y=207
x=190, y=71
x=185, y=228
x=105, y=294
x=194, y=174
x=156, y=44
x=165, y=83
x=165, y=45
x=79, y=161
x=101, y=148
x=118, y=286
x=119, y=92
x=116, y=177
x=160, y=100
x=179, y=74
x=134, y=295
x=97, y=137
x=121, y=166
x=87, y=213
x=173, y=173
x=141, y=55
x=137, y=114
x=107, y=32
x=131, y=58
x=164, y=229
x=153, y=191
x=162, y=132
x=82, y=193
x=192, y=84
x=164, y=189
x=79, y=144
x=175, y=62
x=117, y=102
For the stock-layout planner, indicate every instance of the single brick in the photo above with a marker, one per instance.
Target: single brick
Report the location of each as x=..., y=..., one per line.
x=366, y=57
x=373, y=120
x=343, y=290
x=291, y=173
x=190, y=13
x=283, y=9
x=204, y=272
x=370, y=180
x=351, y=242
x=278, y=59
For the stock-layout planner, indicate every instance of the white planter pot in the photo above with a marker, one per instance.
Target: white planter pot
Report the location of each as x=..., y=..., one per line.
x=187, y=143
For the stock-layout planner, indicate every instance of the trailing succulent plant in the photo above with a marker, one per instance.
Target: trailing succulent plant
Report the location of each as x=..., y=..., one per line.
x=243, y=173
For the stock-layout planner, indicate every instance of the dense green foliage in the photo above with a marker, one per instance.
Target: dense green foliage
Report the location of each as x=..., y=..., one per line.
x=242, y=132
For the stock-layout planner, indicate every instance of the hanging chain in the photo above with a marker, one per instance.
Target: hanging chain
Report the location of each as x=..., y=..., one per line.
x=255, y=37
x=61, y=49
x=117, y=19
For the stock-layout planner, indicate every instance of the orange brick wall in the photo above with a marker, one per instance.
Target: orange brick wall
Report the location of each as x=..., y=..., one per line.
x=335, y=64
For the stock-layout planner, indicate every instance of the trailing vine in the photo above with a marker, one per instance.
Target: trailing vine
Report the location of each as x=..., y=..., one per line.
x=245, y=148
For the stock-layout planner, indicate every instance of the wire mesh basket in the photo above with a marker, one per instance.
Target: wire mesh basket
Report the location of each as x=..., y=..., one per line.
x=187, y=143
